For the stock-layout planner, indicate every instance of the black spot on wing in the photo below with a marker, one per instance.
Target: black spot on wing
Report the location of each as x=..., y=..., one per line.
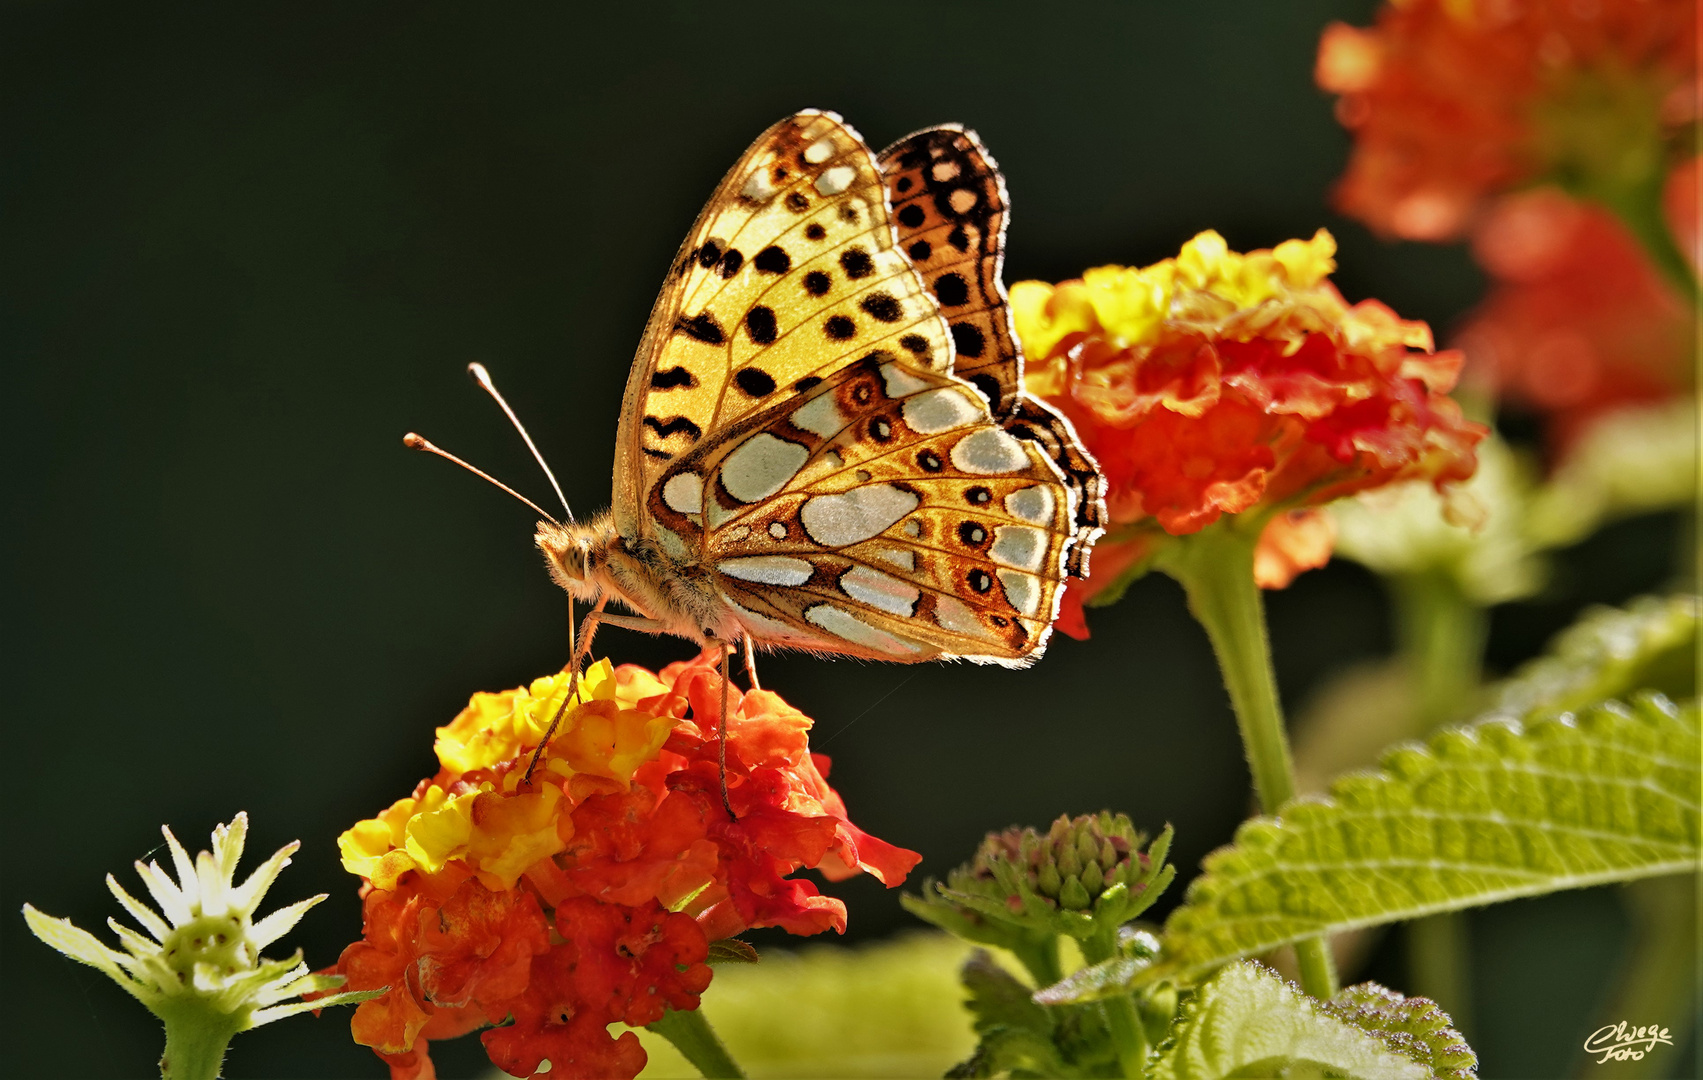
x=915, y=344
x=816, y=283
x=952, y=290
x=912, y=216
x=839, y=328
x=969, y=339
x=760, y=322
x=709, y=254
x=797, y=203
x=929, y=461
x=673, y=377
x=772, y=260
x=702, y=327
x=815, y=231
x=959, y=239
x=920, y=251
x=754, y=382
x=882, y=307
x=807, y=382
x=989, y=386
x=730, y=263
x=676, y=425
x=856, y=263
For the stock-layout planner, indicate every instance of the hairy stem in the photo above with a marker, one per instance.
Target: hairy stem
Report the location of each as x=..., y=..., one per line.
x=1216, y=569
x=692, y=1035
x=196, y=1038
x=1129, y=1037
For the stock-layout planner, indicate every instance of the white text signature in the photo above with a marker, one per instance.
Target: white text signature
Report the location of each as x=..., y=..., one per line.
x=1617, y=1042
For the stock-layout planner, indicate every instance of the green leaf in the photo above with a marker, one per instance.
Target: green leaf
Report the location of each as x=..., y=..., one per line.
x=732, y=951
x=1651, y=644
x=1014, y=1052
x=999, y=999
x=1491, y=812
x=1412, y=1027
x=1245, y=1021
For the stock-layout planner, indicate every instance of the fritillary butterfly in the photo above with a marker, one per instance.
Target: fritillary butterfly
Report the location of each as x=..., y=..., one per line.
x=824, y=443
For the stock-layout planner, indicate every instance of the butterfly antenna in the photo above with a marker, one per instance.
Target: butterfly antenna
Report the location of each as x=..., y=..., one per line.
x=415, y=442
x=483, y=378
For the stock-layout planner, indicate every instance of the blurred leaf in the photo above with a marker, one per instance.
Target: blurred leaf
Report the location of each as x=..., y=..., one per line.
x=891, y=1009
x=1651, y=644
x=1245, y=1021
x=1631, y=461
x=1014, y=1052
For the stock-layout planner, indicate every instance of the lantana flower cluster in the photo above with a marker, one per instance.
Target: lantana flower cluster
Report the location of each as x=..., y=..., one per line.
x=1452, y=101
x=1223, y=383
x=590, y=894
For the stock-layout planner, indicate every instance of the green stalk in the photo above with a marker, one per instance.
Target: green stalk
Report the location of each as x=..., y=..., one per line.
x=1216, y=569
x=196, y=1040
x=1129, y=1036
x=1640, y=210
x=1441, y=633
x=692, y=1035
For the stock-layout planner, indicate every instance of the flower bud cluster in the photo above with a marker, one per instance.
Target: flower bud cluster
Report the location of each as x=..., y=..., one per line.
x=1083, y=877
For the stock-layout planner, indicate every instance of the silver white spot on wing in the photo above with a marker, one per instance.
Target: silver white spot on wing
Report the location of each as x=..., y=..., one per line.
x=940, y=410
x=900, y=383
x=777, y=529
x=903, y=558
x=1032, y=504
x=955, y=615
x=843, y=624
x=819, y=151
x=1023, y=590
x=820, y=415
x=989, y=451
x=880, y=590
x=835, y=180
x=761, y=466
x=764, y=627
x=913, y=528
x=1020, y=546
x=758, y=187
x=850, y=516
x=684, y=493
x=768, y=569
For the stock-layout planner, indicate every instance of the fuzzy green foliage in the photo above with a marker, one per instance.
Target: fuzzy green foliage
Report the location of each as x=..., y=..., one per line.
x=1245, y=1021
x=1570, y=794
x=893, y=1009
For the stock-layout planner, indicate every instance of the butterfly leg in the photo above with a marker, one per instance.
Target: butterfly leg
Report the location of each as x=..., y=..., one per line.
x=751, y=663
x=579, y=646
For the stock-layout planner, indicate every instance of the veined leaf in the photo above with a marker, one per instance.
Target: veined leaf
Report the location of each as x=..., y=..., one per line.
x=1245, y=1021
x=1490, y=812
x=1413, y=1027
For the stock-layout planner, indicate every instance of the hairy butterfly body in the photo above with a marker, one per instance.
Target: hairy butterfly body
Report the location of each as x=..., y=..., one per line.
x=824, y=443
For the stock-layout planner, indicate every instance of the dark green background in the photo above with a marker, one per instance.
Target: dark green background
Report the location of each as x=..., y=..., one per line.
x=247, y=246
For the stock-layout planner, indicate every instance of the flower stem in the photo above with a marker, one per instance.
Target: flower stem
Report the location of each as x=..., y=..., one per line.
x=1442, y=636
x=1216, y=569
x=692, y=1035
x=196, y=1038
x=1640, y=210
x=1129, y=1037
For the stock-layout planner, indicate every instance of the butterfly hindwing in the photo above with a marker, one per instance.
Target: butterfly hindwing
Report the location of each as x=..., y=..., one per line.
x=881, y=513
x=950, y=209
x=790, y=274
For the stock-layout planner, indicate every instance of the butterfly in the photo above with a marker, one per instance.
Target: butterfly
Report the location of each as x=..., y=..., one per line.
x=824, y=442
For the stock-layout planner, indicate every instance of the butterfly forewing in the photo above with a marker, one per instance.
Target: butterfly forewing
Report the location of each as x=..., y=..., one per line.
x=880, y=513
x=790, y=274
x=950, y=210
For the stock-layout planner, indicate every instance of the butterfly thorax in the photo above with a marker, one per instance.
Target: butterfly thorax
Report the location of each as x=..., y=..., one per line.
x=595, y=563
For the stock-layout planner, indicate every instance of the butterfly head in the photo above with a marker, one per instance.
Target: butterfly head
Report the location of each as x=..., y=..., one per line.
x=576, y=554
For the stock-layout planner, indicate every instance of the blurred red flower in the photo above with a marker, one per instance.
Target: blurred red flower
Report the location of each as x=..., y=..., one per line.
x=1220, y=383
x=1578, y=322
x=590, y=896
x=1452, y=101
